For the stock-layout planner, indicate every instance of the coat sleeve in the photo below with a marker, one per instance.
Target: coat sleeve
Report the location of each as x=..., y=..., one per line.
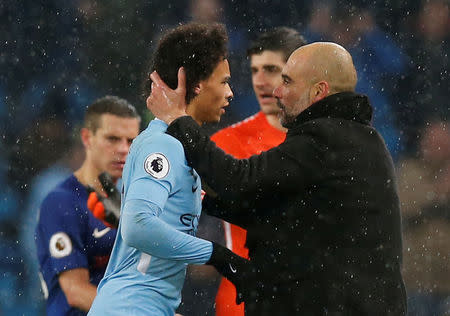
x=289, y=167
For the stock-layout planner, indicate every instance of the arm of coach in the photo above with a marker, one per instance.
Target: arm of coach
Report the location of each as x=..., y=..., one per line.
x=290, y=167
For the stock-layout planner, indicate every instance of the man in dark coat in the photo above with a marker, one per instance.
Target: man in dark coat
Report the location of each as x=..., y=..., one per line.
x=321, y=209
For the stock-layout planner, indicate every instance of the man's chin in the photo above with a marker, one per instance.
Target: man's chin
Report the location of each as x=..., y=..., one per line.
x=115, y=173
x=269, y=109
x=284, y=121
x=212, y=120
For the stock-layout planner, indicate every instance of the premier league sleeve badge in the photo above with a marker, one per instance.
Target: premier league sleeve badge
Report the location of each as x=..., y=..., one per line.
x=157, y=165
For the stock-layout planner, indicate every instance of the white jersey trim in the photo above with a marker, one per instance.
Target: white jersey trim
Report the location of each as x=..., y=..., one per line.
x=144, y=262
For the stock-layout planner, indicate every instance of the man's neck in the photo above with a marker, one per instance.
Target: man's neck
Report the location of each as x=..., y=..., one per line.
x=190, y=110
x=88, y=177
x=275, y=122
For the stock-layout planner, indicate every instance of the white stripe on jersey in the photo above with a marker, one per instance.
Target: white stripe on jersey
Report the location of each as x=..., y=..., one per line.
x=144, y=262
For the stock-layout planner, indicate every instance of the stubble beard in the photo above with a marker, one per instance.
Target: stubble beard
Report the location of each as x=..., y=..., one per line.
x=285, y=119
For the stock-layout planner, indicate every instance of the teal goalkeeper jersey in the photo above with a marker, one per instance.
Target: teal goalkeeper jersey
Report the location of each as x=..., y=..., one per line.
x=161, y=206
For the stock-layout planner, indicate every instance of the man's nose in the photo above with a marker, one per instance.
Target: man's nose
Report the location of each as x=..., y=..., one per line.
x=229, y=94
x=277, y=92
x=259, y=79
x=123, y=146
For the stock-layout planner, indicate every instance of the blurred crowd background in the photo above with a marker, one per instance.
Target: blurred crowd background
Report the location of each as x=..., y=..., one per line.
x=57, y=56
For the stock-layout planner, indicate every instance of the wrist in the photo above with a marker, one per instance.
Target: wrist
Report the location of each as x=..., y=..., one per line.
x=168, y=119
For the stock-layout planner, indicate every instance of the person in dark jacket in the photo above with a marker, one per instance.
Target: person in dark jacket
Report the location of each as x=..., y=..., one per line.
x=321, y=209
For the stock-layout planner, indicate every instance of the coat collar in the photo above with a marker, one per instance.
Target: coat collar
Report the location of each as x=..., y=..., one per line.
x=343, y=105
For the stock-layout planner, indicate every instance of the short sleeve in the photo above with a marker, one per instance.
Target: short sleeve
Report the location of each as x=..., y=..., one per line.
x=59, y=234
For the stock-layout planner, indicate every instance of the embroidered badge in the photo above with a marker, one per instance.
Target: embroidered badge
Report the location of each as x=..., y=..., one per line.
x=157, y=165
x=60, y=245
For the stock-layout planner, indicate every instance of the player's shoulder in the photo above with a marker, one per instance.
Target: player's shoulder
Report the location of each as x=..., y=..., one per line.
x=158, y=150
x=63, y=196
x=65, y=189
x=245, y=124
x=238, y=129
x=155, y=135
x=161, y=142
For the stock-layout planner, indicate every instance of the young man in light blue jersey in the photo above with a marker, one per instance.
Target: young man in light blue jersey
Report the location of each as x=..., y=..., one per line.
x=161, y=196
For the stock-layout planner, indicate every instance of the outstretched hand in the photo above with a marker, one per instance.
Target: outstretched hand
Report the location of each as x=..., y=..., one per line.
x=165, y=103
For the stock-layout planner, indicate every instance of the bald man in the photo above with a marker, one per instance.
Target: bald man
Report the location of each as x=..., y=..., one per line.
x=323, y=220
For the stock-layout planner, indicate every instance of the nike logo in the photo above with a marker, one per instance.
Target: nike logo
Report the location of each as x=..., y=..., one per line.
x=194, y=187
x=232, y=268
x=101, y=233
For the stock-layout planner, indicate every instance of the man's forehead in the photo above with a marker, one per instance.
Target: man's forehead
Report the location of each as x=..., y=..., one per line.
x=268, y=57
x=288, y=68
x=110, y=122
x=294, y=64
x=222, y=70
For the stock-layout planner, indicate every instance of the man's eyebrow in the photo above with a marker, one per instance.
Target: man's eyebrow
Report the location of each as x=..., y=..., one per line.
x=268, y=66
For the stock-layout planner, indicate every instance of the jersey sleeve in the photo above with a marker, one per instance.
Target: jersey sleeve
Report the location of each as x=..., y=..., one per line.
x=154, y=177
x=60, y=234
x=142, y=229
x=154, y=171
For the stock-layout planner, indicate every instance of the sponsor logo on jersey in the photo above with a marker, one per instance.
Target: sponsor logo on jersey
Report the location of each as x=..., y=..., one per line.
x=100, y=233
x=194, y=175
x=157, y=165
x=60, y=245
x=191, y=221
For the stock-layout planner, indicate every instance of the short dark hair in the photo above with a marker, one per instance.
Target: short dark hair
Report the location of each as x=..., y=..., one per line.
x=197, y=47
x=108, y=105
x=280, y=39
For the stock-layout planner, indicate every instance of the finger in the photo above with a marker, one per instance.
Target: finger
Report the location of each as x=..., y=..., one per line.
x=157, y=80
x=155, y=98
x=156, y=94
x=92, y=200
x=99, y=210
x=181, y=87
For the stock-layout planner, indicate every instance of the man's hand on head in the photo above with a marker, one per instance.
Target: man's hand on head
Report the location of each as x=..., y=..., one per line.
x=165, y=103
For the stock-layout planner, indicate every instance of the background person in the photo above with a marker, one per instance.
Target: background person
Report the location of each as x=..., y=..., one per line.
x=268, y=54
x=73, y=246
x=424, y=191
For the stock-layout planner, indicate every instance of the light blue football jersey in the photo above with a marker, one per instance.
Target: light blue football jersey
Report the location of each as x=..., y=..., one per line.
x=161, y=206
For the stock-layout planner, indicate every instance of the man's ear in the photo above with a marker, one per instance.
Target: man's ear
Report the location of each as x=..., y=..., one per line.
x=86, y=135
x=320, y=90
x=198, y=89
